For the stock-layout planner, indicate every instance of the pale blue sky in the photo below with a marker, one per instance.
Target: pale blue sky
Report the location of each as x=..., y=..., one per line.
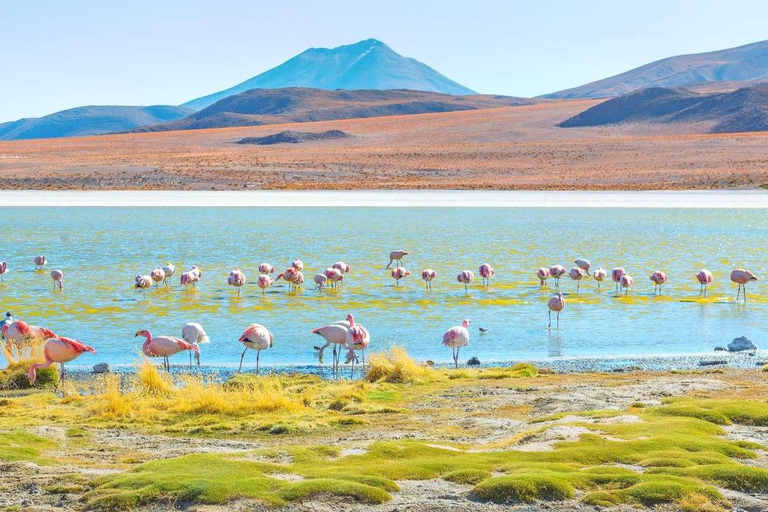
x=60, y=54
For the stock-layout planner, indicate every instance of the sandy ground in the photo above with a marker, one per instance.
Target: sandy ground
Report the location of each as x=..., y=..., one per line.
x=503, y=148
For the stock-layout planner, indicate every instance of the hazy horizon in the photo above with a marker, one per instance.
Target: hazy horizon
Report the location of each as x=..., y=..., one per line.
x=86, y=53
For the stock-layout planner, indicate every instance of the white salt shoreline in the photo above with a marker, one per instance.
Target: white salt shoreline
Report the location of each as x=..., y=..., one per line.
x=393, y=198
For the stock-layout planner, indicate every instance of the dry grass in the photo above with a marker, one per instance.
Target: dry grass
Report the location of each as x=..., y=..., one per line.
x=397, y=367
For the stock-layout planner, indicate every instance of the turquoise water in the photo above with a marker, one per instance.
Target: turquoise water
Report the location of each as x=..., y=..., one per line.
x=101, y=250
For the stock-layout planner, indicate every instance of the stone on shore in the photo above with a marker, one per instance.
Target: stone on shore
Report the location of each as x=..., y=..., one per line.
x=741, y=344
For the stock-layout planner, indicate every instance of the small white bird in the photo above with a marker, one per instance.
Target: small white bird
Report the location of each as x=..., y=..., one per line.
x=195, y=334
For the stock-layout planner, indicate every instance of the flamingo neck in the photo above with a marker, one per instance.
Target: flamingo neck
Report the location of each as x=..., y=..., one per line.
x=351, y=320
x=465, y=324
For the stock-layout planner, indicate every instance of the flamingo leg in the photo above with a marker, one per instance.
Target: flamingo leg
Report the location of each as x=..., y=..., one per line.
x=549, y=325
x=578, y=283
x=456, y=360
x=241, y=360
x=258, y=353
x=558, y=320
x=745, y=293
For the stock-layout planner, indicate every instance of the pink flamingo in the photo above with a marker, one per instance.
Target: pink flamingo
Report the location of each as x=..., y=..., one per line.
x=297, y=264
x=320, y=280
x=577, y=274
x=264, y=281
x=195, y=334
x=40, y=262
x=343, y=267
x=266, y=268
x=19, y=332
x=599, y=275
x=616, y=275
x=289, y=275
x=189, y=277
x=298, y=280
x=583, y=265
x=543, y=274
x=557, y=271
x=57, y=276
x=197, y=271
x=142, y=282
x=58, y=350
x=466, y=277
x=658, y=278
x=168, y=271
x=557, y=304
x=236, y=279
x=333, y=275
x=457, y=337
x=625, y=282
x=704, y=277
x=157, y=275
x=3, y=270
x=334, y=334
x=399, y=273
x=428, y=275
x=164, y=346
x=357, y=338
x=396, y=256
x=258, y=338
x=486, y=272
x=742, y=277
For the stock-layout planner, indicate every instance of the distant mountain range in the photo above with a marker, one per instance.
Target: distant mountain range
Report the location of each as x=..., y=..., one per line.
x=743, y=110
x=299, y=105
x=93, y=120
x=744, y=65
x=369, y=64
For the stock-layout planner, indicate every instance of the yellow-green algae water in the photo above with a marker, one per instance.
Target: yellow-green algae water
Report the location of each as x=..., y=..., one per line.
x=101, y=250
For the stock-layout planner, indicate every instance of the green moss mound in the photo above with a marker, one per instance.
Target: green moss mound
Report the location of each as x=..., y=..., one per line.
x=15, y=377
x=524, y=489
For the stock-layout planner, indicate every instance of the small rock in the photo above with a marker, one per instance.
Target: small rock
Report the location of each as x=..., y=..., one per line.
x=430, y=363
x=741, y=344
x=712, y=363
x=720, y=349
x=473, y=361
x=101, y=368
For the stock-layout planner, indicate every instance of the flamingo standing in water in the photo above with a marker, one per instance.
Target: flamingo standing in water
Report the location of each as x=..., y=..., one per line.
x=298, y=280
x=334, y=334
x=616, y=275
x=625, y=282
x=164, y=346
x=457, y=337
x=289, y=275
x=57, y=276
x=583, y=265
x=428, y=275
x=543, y=274
x=142, y=282
x=557, y=304
x=333, y=275
x=557, y=271
x=599, y=275
x=58, y=350
x=658, y=278
x=195, y=334
x=258, y=338
x=18, y=333
x=40, y=262
x=266, y=268
x=264, y=281
x=466, y=277
x=320, y=280
x=297, y=264
x=577, y=274
x=343, y=267
x=704, y=277
x=168, y=271
x=357, y=338
x=399, y=273
x=486, y=272
x=397, y=257
x=742, y=277
x=158, y=276
x=187, y=278
x=3, y=270
x=236, y=279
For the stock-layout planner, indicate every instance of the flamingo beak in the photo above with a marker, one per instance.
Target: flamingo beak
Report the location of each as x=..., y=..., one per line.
x=138, y=333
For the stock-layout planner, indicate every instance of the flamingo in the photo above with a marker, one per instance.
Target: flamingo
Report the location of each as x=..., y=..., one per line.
x=157, y=275
x=142, y=282
x=466, y=277
x=658, y=278
x=266, y=268
x=399, y=273
x=333, y=276
x=704, y=277
x=58, y=350
x=19, y=333
x=5, y=321
x=297, y=264
x=599, y=275
x=57, y=276
x=236, y=279
x=298, y=280
x=626, y=281
x=543, y=274
x=616, y=275
x=486, y=272
x=428, y=275
x=557, y=271
x=396, y=256
x=343, y=267
x=457, y=337
x=168, y=271
x=557, y=304
x=164, y=346
x=195, y=334
x=334, y=334
x=40, y=262
x=265, y=281
x=583, y=265
x=3, y=270
x=289, y=275
x=255, y=337
x=577, y=274
x=187, y=278
x=742, y=277
x=197, y=271
x=320, y=280
x=357, y=338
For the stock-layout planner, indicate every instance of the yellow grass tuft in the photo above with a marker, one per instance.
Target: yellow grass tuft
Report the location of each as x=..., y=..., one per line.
x=152, y=382
x=398, y=367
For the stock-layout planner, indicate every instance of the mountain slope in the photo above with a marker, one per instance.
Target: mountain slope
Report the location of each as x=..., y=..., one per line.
x=743, y=110
x=91, y=120
x=743, y=64
x=369, y=64
x=299, y=104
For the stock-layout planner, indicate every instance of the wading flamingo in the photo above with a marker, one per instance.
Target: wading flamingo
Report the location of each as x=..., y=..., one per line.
x=557, y=304
x=264, y=281
x=625, y=282
x=399, y=273
x=457, y=337
x=298, y=280
x=164, y=346
x=357, y=338
x=577, y=274
x=297, y=264
x=142, y=282
x=704, y=277
x=557, y=271
x=583, y=265
x=236, y=279
x=543, y=274
x=255, y=337
x=168, y=271
x=616, y=275
x=189, y=278
x=486, y=272
x=397, y=257
x=658, y=278
x=742, y=277
x=40, y=262
x=197, y=271
x=58, y=350
x=3, y=270
x=466, y=277
x=289, y=275
x=266, y=268
x=320, y=280
x=428, y=275
x=195, y=334
x=343, y=267
x=333, y=275
x=157, y=276
x=18, y=334
x=334, y=334
x=57, y=276
x=599, y=275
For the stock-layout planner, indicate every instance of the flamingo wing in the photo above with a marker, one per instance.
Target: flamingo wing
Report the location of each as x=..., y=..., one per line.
x=77, y=346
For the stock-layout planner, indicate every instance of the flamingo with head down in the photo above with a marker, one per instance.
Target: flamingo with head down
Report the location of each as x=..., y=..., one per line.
x=742, y=277
x=333, y=275
x=164, y=346
x=57, y=276
x=320, y=280
x=704, y=277
x=195, y=334
x=142, y=282
x=40, y=262
x=396, y=256
x=428, y=275
x=583, y=265
x=58, y=350
x=334, y=334
x=457, y=337
x=168, y=271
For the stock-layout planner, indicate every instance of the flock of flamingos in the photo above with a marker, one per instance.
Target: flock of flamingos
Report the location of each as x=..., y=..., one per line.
x=343, y=335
